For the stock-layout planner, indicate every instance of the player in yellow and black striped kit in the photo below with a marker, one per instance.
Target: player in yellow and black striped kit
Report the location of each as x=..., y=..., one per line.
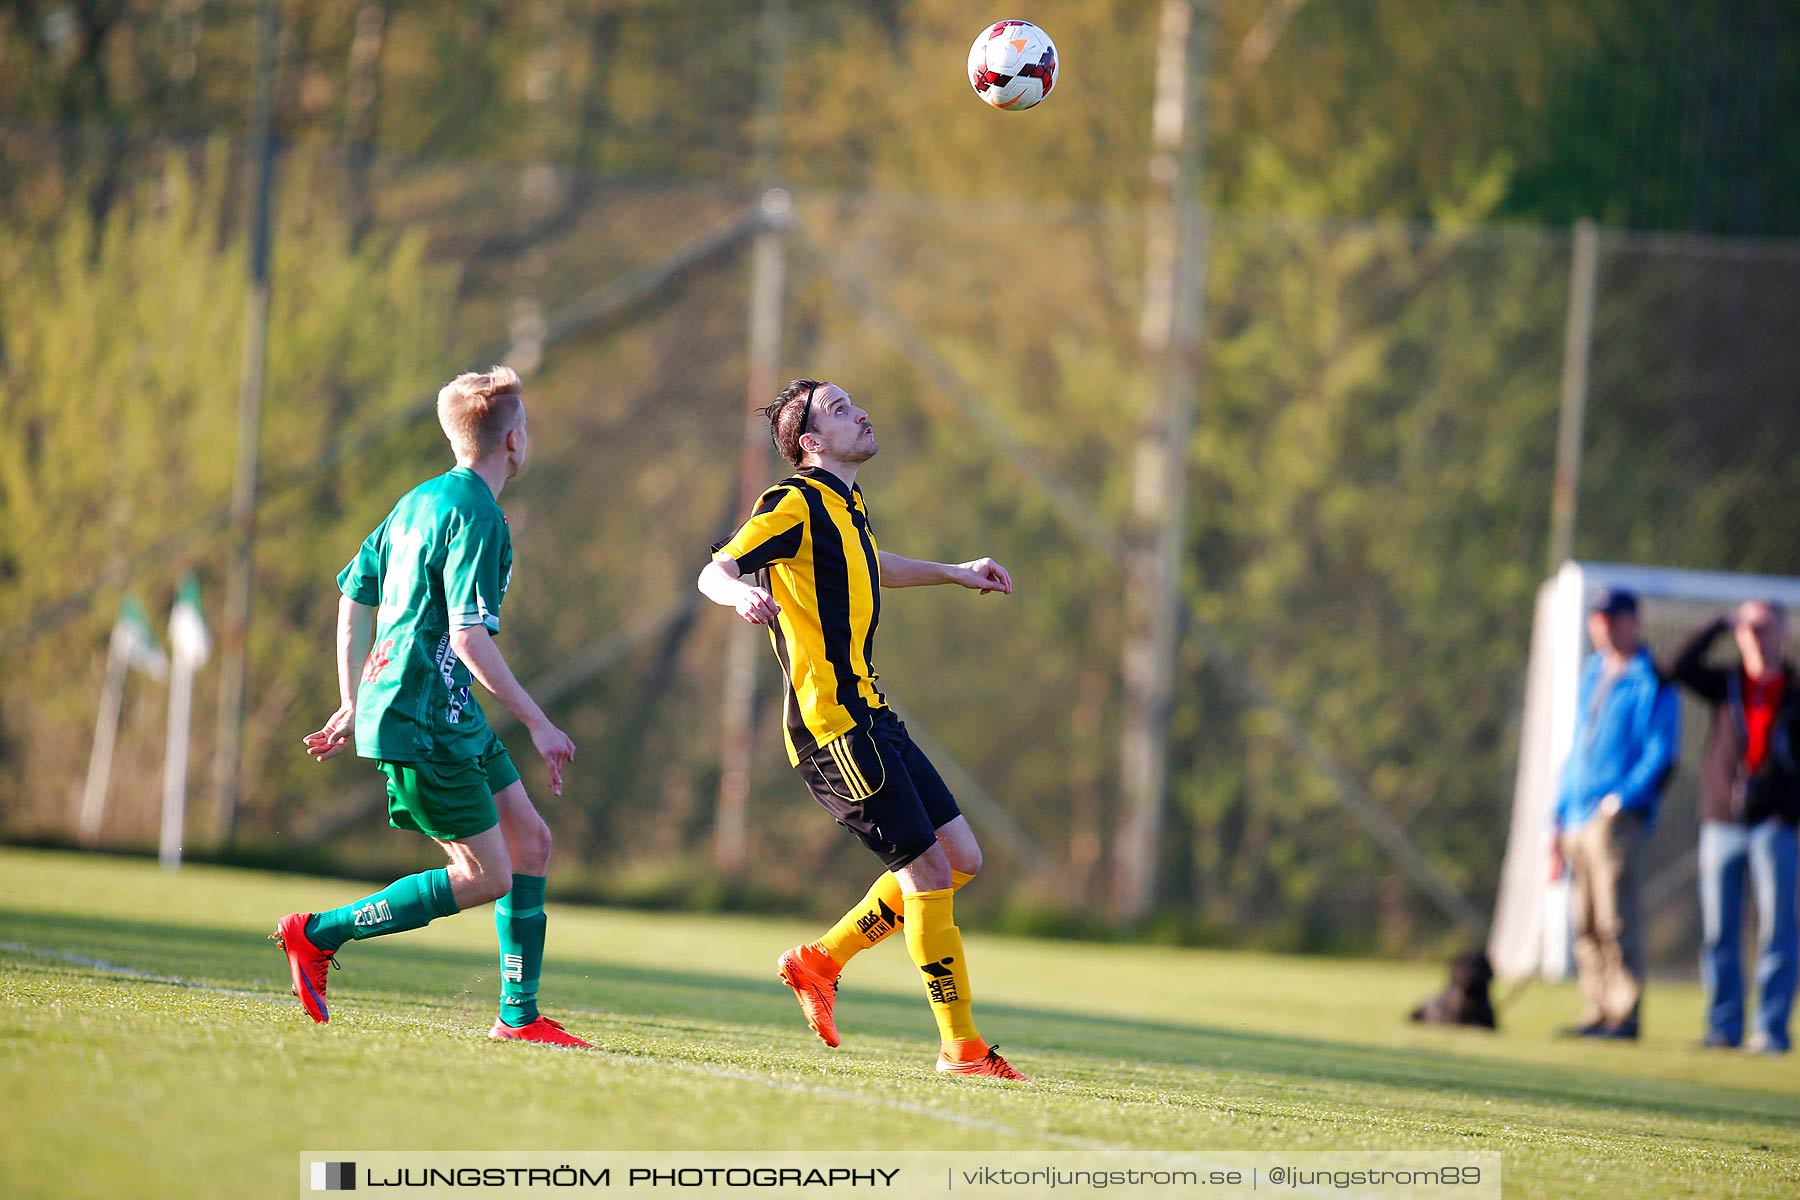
x=806, y=565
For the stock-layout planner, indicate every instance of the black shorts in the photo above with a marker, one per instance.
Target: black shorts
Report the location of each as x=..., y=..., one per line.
x=882, y=788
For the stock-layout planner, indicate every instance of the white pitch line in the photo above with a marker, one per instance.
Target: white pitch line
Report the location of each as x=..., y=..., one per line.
x=100, y=964
x=636, y=1060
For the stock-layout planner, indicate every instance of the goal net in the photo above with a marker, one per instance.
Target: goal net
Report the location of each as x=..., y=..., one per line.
x=1530, y=934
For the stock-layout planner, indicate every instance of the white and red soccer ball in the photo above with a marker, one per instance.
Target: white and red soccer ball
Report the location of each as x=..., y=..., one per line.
x=1012, y=65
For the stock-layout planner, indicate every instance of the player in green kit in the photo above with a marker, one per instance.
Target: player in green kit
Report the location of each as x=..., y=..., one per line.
x=430, y=580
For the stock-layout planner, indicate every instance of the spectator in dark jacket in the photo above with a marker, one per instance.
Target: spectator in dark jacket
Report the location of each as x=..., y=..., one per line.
x=1749, y=807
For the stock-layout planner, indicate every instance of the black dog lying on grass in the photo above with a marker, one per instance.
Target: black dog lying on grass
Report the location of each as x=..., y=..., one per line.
x=1465, y=1001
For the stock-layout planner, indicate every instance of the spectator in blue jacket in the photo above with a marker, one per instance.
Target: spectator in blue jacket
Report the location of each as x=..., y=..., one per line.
x=1627, y=733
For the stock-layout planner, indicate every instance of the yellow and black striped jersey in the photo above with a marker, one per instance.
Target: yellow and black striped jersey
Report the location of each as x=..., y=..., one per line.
x=810, y=544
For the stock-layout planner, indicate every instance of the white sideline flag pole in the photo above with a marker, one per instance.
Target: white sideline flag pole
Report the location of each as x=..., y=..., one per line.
x=132, y=645
x=189, y=646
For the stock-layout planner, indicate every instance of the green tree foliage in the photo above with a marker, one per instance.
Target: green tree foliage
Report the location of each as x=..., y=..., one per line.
x=1673, y=118
x=121, y=344
x=1370, y=470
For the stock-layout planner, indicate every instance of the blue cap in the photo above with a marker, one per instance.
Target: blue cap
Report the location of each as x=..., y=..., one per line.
x=1615, y=601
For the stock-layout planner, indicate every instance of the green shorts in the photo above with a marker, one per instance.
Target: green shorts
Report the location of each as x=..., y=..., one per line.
x=450, y=801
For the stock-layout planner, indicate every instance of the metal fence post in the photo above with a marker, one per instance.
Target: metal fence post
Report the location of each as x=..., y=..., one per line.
x=768, y=274
x=1578, y=340
x=234, y=669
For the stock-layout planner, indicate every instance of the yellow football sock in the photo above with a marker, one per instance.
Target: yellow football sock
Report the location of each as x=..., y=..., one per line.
x=935, y=944
x=871, y=920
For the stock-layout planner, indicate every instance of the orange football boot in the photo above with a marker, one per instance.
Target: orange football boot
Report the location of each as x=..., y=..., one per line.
x=306, y=963
x=977, y=1058
x=812, y=974
x=543, y=1030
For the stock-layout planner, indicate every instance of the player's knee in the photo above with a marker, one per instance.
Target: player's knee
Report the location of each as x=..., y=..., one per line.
x=476, y=884
x=490, y=885
x=487, y=878
x=534, y=850
x=960, y=848
x=929, y=872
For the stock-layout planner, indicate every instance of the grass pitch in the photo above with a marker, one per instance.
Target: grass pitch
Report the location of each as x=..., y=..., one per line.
x=151, y=1048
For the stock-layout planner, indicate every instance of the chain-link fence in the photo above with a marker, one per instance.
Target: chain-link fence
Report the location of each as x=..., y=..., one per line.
x=1693, y=437
x=1370, y=487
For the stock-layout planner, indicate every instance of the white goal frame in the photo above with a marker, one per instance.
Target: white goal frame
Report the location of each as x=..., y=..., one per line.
x=1530, y=931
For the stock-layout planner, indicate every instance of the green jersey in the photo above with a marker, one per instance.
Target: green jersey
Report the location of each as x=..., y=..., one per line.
x=441, y=561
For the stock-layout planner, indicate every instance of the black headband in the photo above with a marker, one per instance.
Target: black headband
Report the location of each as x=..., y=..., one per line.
x=806, y=412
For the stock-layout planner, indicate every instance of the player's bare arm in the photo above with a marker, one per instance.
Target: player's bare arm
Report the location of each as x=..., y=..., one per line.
x=476, y=648
x=722, y=582
x=983, y=575
x=355, y=630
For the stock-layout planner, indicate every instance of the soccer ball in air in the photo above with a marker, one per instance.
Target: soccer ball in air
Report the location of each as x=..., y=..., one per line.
x=1012, y=65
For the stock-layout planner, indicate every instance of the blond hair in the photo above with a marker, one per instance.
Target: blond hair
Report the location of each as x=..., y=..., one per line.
x=476, y=410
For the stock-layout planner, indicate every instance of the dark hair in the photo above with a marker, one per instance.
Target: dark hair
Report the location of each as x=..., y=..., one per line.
x=787, y=416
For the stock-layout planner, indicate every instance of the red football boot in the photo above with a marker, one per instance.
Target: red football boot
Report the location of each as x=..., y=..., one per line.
x=813, y=975
x=976, y=1058
x=543, y=1030
x=306, y=962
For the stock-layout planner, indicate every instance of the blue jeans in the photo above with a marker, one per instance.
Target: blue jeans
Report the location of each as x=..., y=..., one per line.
x=1770, y=850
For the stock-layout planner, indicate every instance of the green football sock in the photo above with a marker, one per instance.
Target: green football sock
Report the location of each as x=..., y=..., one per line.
x=401, y=905
x=519, y=920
